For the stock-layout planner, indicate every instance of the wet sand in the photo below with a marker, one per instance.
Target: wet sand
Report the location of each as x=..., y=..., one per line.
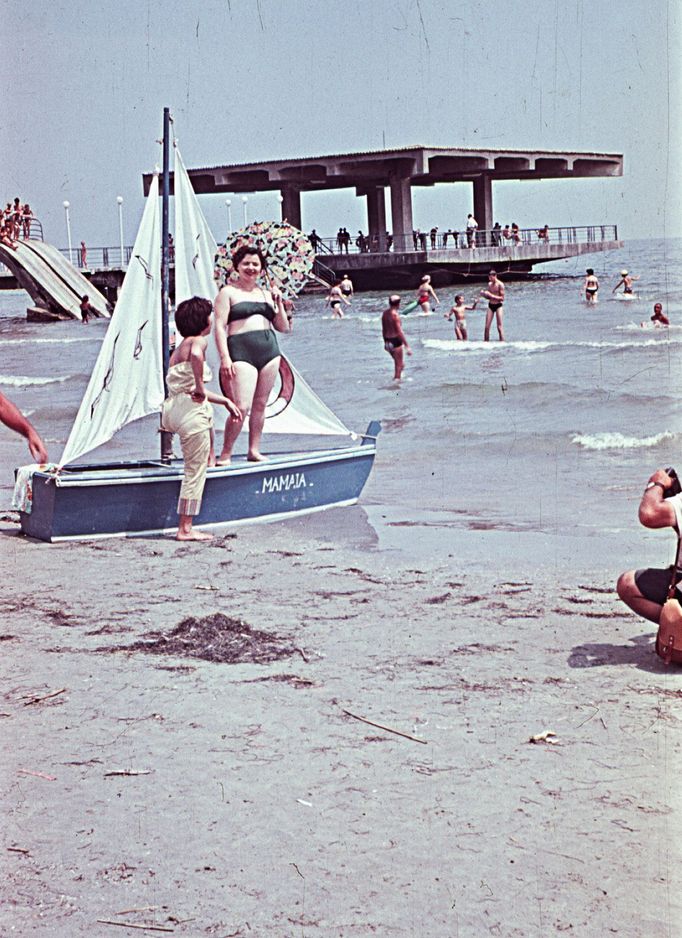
x=213, y=782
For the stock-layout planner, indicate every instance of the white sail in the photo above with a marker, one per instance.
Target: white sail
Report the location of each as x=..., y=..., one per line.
x=127, y=382
x=295, y=408
x=195, y=246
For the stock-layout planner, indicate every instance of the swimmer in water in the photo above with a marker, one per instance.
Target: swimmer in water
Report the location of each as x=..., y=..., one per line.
x=424, y=293
x=394, y=337
x=626, y=280
x=335, y=299
x=459, y=312
x=659, y=318
x=495, y=297
x=591, y=286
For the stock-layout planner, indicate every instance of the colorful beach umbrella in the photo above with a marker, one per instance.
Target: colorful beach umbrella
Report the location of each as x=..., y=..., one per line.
x=288, y=252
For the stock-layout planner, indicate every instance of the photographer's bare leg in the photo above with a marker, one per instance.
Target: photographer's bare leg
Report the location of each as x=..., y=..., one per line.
x=631, y=596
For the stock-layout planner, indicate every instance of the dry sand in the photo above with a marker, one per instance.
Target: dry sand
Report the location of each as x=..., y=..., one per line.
x=253, y=805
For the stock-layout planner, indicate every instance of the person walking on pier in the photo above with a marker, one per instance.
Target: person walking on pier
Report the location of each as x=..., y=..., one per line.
x=472, y=225
x=394, y=337
x=495, y=297
x=26, y=217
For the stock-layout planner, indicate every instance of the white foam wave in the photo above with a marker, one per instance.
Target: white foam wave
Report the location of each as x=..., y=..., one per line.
x=29, y=340
x=21, y=381
x=602, y=441
x=533, y=346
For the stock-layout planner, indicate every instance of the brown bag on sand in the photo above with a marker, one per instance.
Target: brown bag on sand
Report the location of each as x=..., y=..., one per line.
x=669, y=636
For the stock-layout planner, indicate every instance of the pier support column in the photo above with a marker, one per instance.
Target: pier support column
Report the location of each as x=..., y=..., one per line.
x=291, y=206
x=376, y=218
x=483, y=205
x=401, y=213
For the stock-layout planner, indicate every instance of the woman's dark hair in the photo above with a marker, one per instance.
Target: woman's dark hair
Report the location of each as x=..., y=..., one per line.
x=245, y=250
x=192, y=316
x=589, y=272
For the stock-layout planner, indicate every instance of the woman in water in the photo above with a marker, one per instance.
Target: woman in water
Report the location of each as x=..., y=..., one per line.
x=591, y=286
x=424, y=293
x=246, y=319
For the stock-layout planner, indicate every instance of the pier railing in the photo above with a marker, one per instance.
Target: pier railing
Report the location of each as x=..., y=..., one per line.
x=462, y=240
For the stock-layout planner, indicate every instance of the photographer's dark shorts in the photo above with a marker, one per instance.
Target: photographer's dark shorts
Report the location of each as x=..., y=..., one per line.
x=653, y=584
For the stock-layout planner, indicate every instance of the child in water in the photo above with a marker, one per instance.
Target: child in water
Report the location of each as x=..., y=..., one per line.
x=187, y=410
x=459, y=312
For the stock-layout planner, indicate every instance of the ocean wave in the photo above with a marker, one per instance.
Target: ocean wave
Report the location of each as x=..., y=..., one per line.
x=29, y=340
x=21, y=381
x=452, y=345
x=602, y=441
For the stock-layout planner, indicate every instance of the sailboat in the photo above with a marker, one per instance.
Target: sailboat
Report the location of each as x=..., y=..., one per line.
x=73, y=500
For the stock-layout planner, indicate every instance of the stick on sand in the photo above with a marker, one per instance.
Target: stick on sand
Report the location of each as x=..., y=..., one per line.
x=387, y=728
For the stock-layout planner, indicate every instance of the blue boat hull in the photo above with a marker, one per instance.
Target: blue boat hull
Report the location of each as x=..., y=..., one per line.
x=89, y=501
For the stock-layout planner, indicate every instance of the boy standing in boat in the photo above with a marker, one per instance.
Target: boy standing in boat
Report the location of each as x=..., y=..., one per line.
x=187, y=410
x=394, y=337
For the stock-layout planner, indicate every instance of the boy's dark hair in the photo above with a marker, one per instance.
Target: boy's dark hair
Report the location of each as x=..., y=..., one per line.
x=192, y=316
x=246, y=249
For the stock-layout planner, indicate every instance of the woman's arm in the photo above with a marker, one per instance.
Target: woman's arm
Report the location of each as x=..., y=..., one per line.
x=222, y=312
x=281, y=320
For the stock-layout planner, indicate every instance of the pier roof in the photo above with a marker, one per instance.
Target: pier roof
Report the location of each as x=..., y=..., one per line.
x=421, y=165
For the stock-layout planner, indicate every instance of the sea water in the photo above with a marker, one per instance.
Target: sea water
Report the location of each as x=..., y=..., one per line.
x=544, y=440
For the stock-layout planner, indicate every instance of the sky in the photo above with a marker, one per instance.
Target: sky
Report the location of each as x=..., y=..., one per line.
x=85, y=83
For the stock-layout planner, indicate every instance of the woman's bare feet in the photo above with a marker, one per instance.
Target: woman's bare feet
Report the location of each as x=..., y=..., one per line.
x=256, y=457
x=224, y=460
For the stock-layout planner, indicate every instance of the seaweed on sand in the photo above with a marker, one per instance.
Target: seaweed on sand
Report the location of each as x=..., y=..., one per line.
x=216, y=638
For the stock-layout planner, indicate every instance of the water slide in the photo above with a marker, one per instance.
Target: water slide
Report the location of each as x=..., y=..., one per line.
x=50, y=280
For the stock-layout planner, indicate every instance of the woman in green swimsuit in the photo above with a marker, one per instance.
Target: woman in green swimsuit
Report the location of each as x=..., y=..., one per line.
x=246, y=317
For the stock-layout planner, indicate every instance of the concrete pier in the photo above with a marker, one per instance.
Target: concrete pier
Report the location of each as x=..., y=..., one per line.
x=400, y=170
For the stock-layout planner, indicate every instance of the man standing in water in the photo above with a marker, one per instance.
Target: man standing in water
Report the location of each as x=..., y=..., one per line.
x=346, y=286
x=394, y=337
x=495, y=297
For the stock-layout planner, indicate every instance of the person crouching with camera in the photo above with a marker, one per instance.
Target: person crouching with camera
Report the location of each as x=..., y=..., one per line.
x=645, y=591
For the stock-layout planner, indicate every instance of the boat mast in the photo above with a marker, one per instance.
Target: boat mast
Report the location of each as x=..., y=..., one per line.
x=166, y=438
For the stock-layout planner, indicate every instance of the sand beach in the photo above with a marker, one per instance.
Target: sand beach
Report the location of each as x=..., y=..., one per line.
x=218, y=781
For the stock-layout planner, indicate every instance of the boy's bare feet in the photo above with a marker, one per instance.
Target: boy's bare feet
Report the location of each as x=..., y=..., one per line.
x=193, y=536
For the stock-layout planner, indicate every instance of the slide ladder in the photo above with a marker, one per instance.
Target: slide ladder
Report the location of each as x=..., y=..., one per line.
x=50, y=280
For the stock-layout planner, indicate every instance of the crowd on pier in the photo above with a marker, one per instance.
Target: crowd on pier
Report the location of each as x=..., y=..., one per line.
x=468, y=238
x=15, y=222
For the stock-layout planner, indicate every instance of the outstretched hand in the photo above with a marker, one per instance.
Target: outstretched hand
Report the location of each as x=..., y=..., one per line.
x=37, y=448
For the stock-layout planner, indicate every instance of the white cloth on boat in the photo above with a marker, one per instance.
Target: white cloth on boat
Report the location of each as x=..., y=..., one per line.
x=192, y=422
x=22, y=496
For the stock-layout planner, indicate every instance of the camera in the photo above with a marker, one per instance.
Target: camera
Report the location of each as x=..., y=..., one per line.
x=675, y=488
